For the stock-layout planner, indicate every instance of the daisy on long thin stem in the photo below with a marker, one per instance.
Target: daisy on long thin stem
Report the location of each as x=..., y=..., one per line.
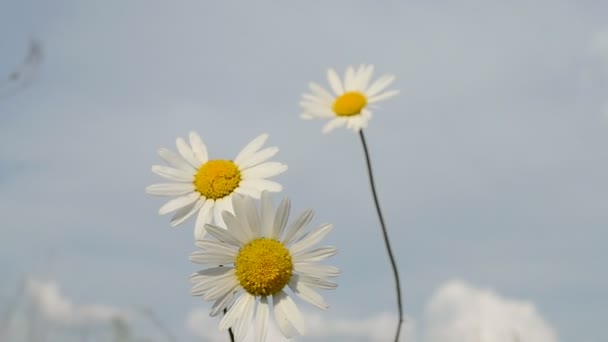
x=205, y=186
x=261, y=258
x=351, y=105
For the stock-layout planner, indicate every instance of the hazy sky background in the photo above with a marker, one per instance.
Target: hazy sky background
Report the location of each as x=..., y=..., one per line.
x=491, y=164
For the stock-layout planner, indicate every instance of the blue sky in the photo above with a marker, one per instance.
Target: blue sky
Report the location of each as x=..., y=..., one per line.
x=491, y=164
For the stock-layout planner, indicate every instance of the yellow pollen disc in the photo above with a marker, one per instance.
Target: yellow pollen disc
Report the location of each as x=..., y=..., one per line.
x=217, y=178
x=263, y=267
x=349, y=104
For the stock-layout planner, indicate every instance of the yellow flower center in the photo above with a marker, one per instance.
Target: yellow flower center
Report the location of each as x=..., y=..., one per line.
x=349, y=104
x=263, y=267
x=217, y=178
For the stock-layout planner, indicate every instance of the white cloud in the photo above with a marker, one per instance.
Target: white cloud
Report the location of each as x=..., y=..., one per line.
x=461, y=313
x=60, y=309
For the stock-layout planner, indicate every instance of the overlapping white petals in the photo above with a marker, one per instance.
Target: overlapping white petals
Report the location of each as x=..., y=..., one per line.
x=320, y=102
x=248, y=223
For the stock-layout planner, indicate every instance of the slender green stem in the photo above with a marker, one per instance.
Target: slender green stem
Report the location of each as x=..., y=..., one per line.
x=385, y=235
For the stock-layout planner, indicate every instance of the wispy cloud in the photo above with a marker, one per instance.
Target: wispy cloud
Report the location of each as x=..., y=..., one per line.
x=58, y=308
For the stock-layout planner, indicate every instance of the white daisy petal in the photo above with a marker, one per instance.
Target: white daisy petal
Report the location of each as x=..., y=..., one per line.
x=199, y=149
x=210, y=273
x=349, y=78
x=310, y=239
x=264, y=170
x=280, y=219
x=217, y=247
x=318, y=283
x=237, y=225
x=316, y=270
x=366, y=76
x=333, y=124
x=220, y=288
x=186, y=212
x=218, y=208
x=379, y=85
x=172, y=173
x=235, y=312
x=320, y=92
x=383, y=96
x=178, y=203
x=223, y=235
x=204, y=216
x=334, y=82
x=262, y=184
x=257, y=157
x=244, y=322
x=186, y=152
x=250, y=192
x=261, y=320
x=315, y=255
x=205, y=257
x=175, y=161
x=317, y=99
x=286, y=309
x=267, y=214
x=251, y=148
x=224, y=301
x=296, y=226
x=307, y=294
x=169, y=189
x=248, y=213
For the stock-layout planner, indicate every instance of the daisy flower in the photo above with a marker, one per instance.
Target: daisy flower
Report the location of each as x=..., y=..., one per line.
x=260, y=258
x=205, y=186
x=351, y=99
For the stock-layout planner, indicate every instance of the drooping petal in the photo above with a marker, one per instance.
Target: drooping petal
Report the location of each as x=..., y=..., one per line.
x=333, y=124
x=287, y=314
x=186, y=212
x=262, y=320
x=235, y=312
x=224, y=301
x=244, y=322
x=204, y=216
x=307, y=294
